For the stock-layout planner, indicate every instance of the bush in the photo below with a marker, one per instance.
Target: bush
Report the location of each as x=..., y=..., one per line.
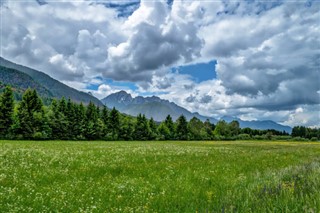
x=299, y=139
x=244, y=137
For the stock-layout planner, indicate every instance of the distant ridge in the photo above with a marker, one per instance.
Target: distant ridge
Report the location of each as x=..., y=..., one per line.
x=266, y=124
x=158, y=109
x=56, y=89
x=150, y=106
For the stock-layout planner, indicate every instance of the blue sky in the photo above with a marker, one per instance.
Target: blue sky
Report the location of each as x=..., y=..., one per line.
x=200, y=72
x=250, y=59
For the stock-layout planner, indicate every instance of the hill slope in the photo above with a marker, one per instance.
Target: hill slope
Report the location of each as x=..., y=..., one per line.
x=56, y=88
x=20, y=82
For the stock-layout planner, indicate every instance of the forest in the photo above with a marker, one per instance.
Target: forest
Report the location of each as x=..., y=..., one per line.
x=63, y=119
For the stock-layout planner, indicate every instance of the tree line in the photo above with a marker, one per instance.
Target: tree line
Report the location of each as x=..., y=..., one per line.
x=66, y=120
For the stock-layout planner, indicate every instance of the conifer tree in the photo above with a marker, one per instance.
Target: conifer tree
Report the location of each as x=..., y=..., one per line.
x=164, y=132
x=114, y=124
x=93, y=129
x=170, y=125
x=6, y=111
x=71, y=119
x=57, y=121
x=126, y=128
x=153, y=129
x=182, y=128
x=142, y=129
x=31, y=116
x=105, y=121
x=80, y=112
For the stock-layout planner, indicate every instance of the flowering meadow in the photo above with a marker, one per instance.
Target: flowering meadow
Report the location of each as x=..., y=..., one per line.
x=234, y=176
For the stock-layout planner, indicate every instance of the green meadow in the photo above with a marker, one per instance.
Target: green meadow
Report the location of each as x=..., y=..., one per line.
x=234, y=176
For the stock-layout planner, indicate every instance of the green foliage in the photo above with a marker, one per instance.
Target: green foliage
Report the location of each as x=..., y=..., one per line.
x=164, y=132
x=142, y=130
x=31, y=118
x=222, y=129
x=114, y=124
x=6, y=111
x=67, y=120
x=182, y=128
x=20, y=82
x=197, y=129
x=305, y=132
x=170, y=125
x=57, y=121
x=153, y=129
x=126, y=131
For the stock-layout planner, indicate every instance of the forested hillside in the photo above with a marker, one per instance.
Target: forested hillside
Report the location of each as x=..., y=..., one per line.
x=56, y=88
x=20, y=82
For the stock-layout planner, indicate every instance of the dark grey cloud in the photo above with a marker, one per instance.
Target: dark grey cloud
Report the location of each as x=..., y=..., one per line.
x=191, y=99
x=164, y=83
x=188, y=86
x=205, y=99
x=280, y=72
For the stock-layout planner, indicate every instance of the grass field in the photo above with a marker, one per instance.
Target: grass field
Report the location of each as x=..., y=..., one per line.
x=159, y=176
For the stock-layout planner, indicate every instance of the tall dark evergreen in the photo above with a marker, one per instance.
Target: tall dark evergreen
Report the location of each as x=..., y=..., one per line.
x=6, y=111
x=31, y=117
x=170, y=125
x=114, y=124
x=182, y=128
x=164, y=132
x=57, y=121
x=71, y=119
x=142, y=129
x=208, y=128
x=80, y=124
x=105, y=120
x=126, y=128
x=93, y=125
x=153, y=129
x=196, y=128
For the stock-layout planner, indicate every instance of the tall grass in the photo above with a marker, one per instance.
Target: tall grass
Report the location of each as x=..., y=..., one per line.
x=159, y=176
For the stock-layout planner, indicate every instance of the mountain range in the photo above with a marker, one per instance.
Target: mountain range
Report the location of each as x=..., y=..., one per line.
x=158, y=109
x=150, y=106
x=21, y=78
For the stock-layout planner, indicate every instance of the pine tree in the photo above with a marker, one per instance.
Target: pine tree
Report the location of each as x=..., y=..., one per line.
x=153, y=128
x=71, y=120
x=6, y=111
x=196, y=129
x=170, y=125
x=126, y=128
x=80, y=123
x=93, y=129
x=57, y=121
x=142, y=129
x=164, y=132
x=114, y=124
x=31, y=116
x=182, y=128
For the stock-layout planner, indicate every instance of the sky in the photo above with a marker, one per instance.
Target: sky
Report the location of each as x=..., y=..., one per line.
x=256, y=60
